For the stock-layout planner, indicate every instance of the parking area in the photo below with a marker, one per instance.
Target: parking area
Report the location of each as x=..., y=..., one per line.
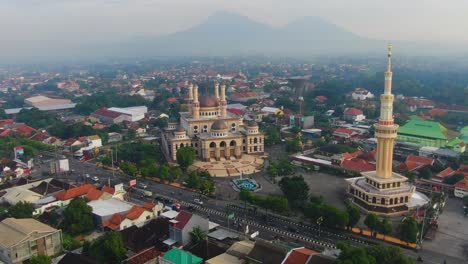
x=331, y=187
x=452, y=236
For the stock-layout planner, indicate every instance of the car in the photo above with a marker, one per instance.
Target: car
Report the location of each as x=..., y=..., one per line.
x=87, y=175
x=142, y=185
x=198, y=201
x=95, y=178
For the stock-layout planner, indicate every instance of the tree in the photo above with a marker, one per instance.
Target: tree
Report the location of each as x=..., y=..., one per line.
x=69, y=243
x=294, y=188
x=197, y=235
x=40, y=259
x=384, y=227
x=175, y=173
x=78, y=217
x=388, y=255
x=293, y=145
x=350, y=255
x=371, y=222
x=109, y=249
x=334, y=217
x=22, y=210
x=409, y=230
x=129, y=168
x=131, y=134
x=353, y=215
x=185, y=157
x=106, y=161
x=454, y=178
x=164, y=172
x=425, y=173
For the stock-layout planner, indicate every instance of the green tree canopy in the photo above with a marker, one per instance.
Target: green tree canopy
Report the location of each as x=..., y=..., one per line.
x=409, y=230
x=185, y=157
x=293, y=145
x=354, y=215
x=294, y=188
x=78, y=217
x=108, y=249
x=454, y=178
x=197, y=235
x=40, y=259
x=22, y=210
x=384, y=226
x=371, y=221
x=129, y=168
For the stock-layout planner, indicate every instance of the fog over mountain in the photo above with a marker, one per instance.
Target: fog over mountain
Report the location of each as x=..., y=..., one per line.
x=229, y=34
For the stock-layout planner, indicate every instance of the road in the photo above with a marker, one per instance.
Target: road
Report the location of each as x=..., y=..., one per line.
x=277, y=227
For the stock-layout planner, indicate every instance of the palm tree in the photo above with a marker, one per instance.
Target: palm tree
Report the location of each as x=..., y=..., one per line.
x=197, y=235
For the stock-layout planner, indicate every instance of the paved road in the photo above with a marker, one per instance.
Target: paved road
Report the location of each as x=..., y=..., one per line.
x=277, y=228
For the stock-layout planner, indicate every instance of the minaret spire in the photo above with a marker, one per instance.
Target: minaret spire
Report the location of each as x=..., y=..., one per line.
x=388, y=73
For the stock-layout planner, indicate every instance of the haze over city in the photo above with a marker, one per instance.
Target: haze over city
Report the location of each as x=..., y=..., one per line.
x=52, y=29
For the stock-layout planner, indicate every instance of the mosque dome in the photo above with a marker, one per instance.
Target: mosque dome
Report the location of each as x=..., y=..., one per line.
x=252, y=123
x=219, y=125
x=208, y=101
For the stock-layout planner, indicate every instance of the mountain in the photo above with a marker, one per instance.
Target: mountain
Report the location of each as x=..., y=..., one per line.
x=231, y=34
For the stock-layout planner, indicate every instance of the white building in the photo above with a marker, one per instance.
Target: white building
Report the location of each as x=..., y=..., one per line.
x=135, y=113
x=137, y=216
x=361, y=94
x=44, y=103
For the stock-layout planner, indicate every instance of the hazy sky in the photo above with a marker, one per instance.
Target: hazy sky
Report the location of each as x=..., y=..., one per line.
x=27, y=25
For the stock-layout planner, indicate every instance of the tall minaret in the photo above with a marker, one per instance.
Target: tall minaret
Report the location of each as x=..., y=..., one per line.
x=195, y=104
x=216, y=90
x=223, y=102
x=386, y=130
x=190, y=95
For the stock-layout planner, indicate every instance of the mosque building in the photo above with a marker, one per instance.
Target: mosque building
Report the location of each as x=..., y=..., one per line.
x=215, y=133
x=383, y=191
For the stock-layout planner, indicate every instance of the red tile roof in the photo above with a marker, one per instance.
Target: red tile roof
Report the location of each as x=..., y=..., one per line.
x=149, y=206
x=182, y=219
x=463, y=184
x=108, y=189
x=437, y=112
x=236, y=111
x=94, y=194
x=357, y=164
x=420, y=160
x=144, y=256
x=447, y=172
x=25, y=130
x=171, y=100
x=343, y=130
x=74, y=192
x=135, y=212
x=113, y=223
x=299, y=256
x=106, y=113
x=353, y=111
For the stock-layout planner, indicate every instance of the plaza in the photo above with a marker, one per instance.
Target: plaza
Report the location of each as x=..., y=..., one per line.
x=246, y=165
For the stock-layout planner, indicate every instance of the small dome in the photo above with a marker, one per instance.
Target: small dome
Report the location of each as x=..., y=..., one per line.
x=219, y=125
x=180, y=129
x=252, y=123
x=208, y=101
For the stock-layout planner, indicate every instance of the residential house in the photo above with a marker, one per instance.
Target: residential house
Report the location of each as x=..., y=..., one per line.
x=353, y=114
x=114, y=137
x=304, y=255
x=21, y=239
x=183, y=224
x=94, y=141
x=137, y=216
x=343, y=133
x=413, y=162
x=104, y=209
x=361, y=94
x=66, y=196
x=461, y=188
x=179, y=256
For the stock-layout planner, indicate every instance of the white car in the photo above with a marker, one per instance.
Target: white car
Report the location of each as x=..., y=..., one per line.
x=95, y=178
x=142, y=185
x=198, y=201
x=87, y=175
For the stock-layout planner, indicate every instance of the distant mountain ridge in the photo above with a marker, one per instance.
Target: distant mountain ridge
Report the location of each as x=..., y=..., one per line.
x=226, y=33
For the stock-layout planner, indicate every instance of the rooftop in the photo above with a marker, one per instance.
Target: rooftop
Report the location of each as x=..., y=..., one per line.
x=13, y=231
x=178, y=256
x=430, y=129
x=109, y=207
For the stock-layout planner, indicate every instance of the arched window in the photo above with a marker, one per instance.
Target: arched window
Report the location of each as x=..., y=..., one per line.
x=395, y=201
x=406, y=199
x=391, y=201
x=212, y=145
x=255, y=148
x=374, y=200
x=233, y=127
x=401, y=199
x=382, y=201
x=205, y=128
x=195, y=129
x=222, y=144
x=255, y=140
x=232, y=143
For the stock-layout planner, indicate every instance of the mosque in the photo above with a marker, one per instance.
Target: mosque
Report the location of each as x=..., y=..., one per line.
x=215, y=133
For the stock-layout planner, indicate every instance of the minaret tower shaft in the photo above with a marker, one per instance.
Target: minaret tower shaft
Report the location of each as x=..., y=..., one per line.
x=386, y=130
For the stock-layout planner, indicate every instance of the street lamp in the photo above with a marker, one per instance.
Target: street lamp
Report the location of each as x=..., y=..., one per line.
x=319, y=222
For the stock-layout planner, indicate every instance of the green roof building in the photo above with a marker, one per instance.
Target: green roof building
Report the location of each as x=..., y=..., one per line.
x=464, y=134
x=425, y=133
x=178, y=256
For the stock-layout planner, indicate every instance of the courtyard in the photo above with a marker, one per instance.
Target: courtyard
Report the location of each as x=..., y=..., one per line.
x=246, y=165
